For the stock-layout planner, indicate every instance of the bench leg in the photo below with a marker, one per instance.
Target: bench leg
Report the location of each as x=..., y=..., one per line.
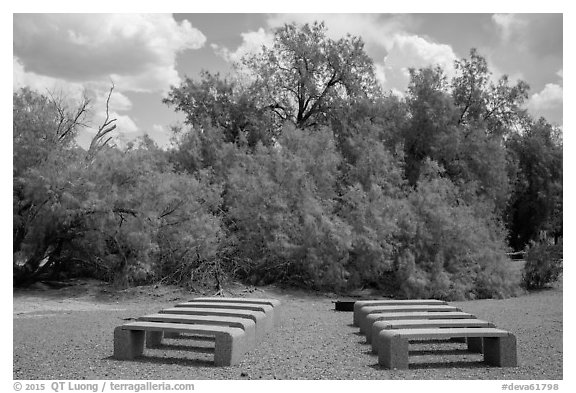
x=228, y=350
x=153, y=339
x=260, y=326
x=474, y=344
x=500, y=351
x=393, y=352
x=128, y=343
x=277, y=316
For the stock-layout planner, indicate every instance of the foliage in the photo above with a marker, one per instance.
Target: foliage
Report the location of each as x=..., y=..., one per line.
x=446, y=249
x=306, y=74
x=543, y=265
x=214, y=103
x=534, y=208
x=280, y=206
x=113, y=214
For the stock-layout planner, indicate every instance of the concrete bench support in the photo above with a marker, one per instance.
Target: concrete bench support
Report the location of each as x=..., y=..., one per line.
x=155, y=338
x=499, y=345
x=274, y=303
x=393, y=316
x=365, y=311
x=378, y=326
x=414, y=302
x=129, y=339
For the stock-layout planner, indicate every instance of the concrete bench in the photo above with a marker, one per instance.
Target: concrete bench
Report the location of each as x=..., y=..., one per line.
x=155, y=338
x=266, y=309
x=275, y=304
x=414, y=302
x=392, y=316
x=365, y=311
x=263, y=324
x=474, y=343
x=229, y=349
x=499, y=345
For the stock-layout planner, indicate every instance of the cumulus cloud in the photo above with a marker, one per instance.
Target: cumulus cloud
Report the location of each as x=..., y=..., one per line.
x=548, y=103
x=73, y=92
x=160, y=135
x=44, y=84
x=376, y=30
x=412, y=51
x=508, y=24
x=76, y=55
x=252, y=42
x=138, y=51
x=539, y=34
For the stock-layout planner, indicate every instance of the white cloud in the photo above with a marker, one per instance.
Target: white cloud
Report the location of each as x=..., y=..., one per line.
x=548, y=103
x=160, y=135
x=560, y=73
x=375, y=29
x=125, y=124
x=252, y=42
x=77, y=54
x=508, y=24
x=537, y=34
x=549, y=96
x=412, y=51
x=44, y=84
x=138, y=51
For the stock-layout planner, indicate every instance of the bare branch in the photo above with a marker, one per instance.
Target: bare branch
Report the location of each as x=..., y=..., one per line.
x=98, y=142
x=68, y=122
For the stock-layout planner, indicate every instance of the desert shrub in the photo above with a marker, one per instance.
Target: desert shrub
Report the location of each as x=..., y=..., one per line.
x=543, y=265
x=280, y=213
x=445, y=250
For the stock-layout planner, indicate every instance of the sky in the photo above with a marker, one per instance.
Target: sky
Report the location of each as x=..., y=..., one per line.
x=143, y=55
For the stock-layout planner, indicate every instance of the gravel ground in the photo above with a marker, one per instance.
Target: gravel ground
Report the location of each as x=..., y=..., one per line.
x=66, y=334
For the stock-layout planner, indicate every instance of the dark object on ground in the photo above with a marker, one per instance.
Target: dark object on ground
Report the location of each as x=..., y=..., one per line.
x=344, y=305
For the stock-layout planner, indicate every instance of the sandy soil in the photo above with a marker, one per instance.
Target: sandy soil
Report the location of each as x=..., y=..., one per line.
x=67, y=334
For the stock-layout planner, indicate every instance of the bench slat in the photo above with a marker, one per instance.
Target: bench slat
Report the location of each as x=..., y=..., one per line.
x=263, y=324
x=270, y=302
x=198, y=319
x=245, y=324
x=365, y=311
x=432, y=323
x=378, y=326
x=233, y=306
x=181, y=327
x=384, y=302
x=371, y=318
x=434, y=333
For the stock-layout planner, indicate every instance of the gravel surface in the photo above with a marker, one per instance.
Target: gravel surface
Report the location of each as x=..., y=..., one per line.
x=69, y=334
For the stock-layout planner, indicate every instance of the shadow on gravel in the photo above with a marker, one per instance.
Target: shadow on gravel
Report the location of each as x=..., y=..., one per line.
x=189, y=348
x=429, y=365
x=438, y=341
x=457, y=364
x=422, y=352
x=167, y=360
x=194, y=338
